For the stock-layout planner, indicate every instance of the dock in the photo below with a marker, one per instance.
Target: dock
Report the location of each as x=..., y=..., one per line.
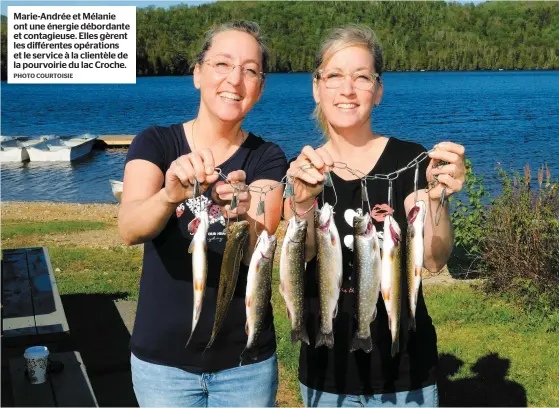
x=113, y=141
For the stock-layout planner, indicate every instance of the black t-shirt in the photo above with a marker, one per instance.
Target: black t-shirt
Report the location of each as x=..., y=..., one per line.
x=338, y=370
x=164, y=315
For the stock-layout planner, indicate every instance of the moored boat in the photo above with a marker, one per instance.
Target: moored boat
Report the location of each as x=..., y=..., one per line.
x=14, y=148
x=62, y=149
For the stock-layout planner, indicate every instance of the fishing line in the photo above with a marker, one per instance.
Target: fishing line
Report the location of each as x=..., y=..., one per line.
x=415, y=181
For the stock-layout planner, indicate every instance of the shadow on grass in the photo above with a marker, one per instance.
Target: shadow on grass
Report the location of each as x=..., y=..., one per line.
x=100, y=335
x=488, y=388
x=463, y=266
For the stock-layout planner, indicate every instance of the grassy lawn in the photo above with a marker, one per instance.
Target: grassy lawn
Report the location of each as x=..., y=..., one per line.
x=12, y=229
x=493, y=346
x=115, y=271
x=490, y=349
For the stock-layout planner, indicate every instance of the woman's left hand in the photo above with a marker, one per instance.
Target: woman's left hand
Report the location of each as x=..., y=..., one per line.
x=222, y=194
x=452, y=175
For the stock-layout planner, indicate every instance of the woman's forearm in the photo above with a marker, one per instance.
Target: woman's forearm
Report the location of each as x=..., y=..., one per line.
x=438, y=239
x=142, y=220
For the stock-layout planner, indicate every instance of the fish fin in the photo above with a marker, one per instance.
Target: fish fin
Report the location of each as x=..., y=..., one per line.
x=288, y=314
x=411, y=325
x=362, y=344
x=294, y=336
x=335, y=311
x=305, y=336
x=374, y=315
x=199, y=285
x=248, y=301
x=193, y=225
x=247, y=330
x=325, y=339
x=395, y=346
x=332, y=238
x=191, y=247
x=418, y=270
x=385, y=294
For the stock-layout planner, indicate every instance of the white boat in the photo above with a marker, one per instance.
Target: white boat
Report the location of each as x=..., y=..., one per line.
x=14, y=148
x=116, y=186
x=61, y=149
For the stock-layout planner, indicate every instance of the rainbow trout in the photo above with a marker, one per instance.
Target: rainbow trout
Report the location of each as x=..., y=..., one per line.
x=391, y=279
x=198, y=249
x=367, y=263
x=259, y=286
x=416, y=219
x=292, y=283
x=330, y=273
x=237, y=235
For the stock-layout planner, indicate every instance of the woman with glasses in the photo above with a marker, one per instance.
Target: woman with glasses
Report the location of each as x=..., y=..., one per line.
x=362, y=370
x=160, y=207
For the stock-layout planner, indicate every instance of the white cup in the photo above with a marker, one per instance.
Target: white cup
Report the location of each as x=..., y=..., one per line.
x=36, y=360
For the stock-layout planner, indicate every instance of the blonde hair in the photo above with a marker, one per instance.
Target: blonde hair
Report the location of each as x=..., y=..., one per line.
x=337, y=39
x=243, y=26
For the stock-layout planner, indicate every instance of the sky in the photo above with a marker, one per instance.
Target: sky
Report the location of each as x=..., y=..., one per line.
x=137, y=3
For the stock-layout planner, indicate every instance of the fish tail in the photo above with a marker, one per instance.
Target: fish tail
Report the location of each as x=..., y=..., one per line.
x=209, y=344
x=365, y=344
x=325, y=339
x=190, y=338
x=300, y=334
x=249, y=353
x=395, y=346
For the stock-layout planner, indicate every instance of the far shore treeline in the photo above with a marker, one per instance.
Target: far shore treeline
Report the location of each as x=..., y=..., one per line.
x=415, y=36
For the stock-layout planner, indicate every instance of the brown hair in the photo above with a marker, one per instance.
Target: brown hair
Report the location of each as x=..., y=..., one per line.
x=243, y=26
x=338, y=39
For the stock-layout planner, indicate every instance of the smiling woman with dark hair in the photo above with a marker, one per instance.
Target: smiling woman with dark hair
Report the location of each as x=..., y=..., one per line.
x=158, y=209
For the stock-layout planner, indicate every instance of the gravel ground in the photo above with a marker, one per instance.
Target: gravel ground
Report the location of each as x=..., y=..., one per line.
x=49, y=211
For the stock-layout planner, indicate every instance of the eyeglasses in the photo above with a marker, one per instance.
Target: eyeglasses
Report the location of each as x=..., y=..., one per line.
x=333, y=78
x=224, y=67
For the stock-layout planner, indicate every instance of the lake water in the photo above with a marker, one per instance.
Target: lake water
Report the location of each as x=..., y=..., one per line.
x=502, y=118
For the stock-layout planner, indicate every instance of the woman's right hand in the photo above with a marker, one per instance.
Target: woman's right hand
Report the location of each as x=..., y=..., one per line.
x=307, y=173
x=180, y=177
